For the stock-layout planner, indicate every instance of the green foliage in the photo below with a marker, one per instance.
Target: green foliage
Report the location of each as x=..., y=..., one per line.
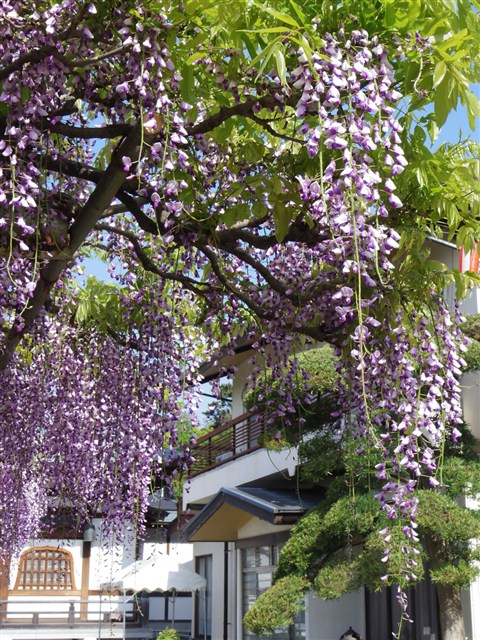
x=472, y=356
x=375, y=572
x=351, y=566
x=471, y=328
x=459, y=574
x=277, y=606
x=324, y=531
x=99, y=304
x=301, y=548
x=442, y=519
x=338, y=576
x=319, y=365
x=461, y=476
x=449, y=530
x=169, y=634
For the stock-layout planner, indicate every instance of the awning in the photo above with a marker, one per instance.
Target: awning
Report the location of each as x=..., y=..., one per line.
x=230, y=509
x=157, y=573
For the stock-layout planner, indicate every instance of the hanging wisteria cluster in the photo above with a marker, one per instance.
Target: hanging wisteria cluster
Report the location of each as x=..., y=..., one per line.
x=211, y=238
x=94, y=424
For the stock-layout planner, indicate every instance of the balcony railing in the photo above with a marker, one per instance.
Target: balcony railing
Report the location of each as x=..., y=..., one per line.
x=228, y=442
x=18, y=611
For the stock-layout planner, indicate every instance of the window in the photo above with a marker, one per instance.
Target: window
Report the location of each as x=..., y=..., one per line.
x=45, y=568
x=258, y=564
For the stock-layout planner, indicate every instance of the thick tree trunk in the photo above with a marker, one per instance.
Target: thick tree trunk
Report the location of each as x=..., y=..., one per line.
x=451, y=614
x=452, y=626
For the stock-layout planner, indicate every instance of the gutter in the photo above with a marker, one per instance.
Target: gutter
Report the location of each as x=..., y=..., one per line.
x=444, y=243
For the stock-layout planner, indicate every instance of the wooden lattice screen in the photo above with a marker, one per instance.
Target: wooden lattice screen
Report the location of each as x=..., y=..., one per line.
x=45, y=568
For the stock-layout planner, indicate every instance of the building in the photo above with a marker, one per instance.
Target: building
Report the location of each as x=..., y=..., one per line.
x=244, y=501
x=65, y=587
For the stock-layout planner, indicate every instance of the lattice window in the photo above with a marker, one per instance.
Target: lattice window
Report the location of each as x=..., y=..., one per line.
x=45, y=568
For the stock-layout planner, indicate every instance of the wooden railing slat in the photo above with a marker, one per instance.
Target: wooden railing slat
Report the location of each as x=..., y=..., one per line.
x=227, y=442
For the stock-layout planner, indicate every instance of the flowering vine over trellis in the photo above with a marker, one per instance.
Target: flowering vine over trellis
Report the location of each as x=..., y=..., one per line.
x=222, y=196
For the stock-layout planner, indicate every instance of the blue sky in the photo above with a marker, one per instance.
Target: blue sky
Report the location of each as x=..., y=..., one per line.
x=456, y=125
x=458, y=122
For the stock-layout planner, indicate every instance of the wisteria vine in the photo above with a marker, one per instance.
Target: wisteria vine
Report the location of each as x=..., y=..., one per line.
x=211, y=236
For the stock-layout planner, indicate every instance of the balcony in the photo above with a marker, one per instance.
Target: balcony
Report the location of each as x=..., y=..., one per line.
x=98, y=618
x=228, y=442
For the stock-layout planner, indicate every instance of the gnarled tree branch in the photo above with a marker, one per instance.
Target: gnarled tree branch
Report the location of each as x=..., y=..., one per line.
x=109, y=184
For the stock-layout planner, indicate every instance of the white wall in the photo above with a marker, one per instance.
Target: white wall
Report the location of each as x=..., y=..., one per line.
x=251, y=466
x=216, y=550
x=471, y=401
x=240, y=381
x=328, y=620
x=109, y=555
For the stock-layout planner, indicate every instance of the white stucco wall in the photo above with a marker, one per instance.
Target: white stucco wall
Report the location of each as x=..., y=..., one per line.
x=109, y=555
x=248, y=468
x=217, y=551
x=327, y=620
x=471, y=401
x=239, y=386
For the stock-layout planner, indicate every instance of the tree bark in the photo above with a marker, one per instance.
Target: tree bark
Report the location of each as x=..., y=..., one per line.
x=451, y=615
x=452, y=626
x=108, y=186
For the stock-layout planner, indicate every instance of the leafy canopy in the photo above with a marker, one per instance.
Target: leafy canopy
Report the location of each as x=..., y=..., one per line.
x=250, y=171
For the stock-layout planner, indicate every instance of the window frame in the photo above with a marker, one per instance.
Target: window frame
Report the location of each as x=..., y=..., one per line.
x=37, y=555
x=265, y=554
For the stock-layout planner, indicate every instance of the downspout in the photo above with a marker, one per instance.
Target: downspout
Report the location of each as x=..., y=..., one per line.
x=225, y=590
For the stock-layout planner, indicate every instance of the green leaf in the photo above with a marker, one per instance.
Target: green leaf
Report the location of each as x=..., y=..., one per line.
x=235, y=214
x=187, y=83
x=277, y=185
x=259, y=209
x=224, y=131
x=390, y=15
x=265, y=30
x=459, y=283
x=282, y=17
x=299, y=12
x=266, y=54
x=249, y=45
x=281, y=218
x=253, y=152
x=433, y=131
x=442, y=102
x=195, y=56
x=473, y=108
x=451, y=5
x=25, y=93
x=439, y=73
x=280, y=64
x=436, y=266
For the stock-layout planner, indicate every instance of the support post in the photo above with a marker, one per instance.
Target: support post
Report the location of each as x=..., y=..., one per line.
x=4, y=580
x=85, y=587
